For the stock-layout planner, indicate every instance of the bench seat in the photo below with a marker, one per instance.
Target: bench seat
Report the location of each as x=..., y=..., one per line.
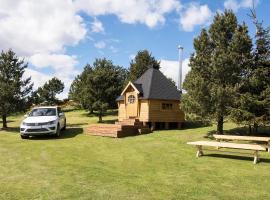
x=266, y=140
x=254, y=147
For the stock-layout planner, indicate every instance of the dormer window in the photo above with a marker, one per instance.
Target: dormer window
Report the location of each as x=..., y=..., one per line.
x=131, y=99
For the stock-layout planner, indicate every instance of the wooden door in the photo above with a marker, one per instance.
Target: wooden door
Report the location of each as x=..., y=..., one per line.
x=131, y=104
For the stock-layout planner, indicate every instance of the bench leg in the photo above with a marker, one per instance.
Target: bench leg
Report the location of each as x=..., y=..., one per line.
x=256, y=157
x=199, y=151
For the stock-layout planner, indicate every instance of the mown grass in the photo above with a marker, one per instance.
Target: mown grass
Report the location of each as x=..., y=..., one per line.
x=154, y=166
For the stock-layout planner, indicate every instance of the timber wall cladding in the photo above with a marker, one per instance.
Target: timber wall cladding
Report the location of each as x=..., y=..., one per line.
x=121, y=111
x=157, y=114
x=144, y=111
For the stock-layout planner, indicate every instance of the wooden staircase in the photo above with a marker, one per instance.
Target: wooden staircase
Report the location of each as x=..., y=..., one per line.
x=127, y=127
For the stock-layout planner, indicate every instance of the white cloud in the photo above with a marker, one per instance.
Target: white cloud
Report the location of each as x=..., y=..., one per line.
x=150, y=13
x=113, y=49
x=63, y=67
x=194, y=15
x=100, y=45
x=97, y=26
x=171, y=69
x=231, y=4
x=40, y=31
x=31, y=26
x=236, y=5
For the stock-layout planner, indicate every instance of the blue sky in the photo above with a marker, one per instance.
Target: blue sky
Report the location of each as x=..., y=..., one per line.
x=58, y=38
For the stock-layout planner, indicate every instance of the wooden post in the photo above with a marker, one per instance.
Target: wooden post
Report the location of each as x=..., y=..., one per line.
x=153, y=126
x=256, y=157
x=199, y=152
x=166, y=125
x=179, y=125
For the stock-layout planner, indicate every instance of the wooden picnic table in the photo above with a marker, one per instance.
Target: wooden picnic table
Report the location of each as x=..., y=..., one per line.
x=244, y=138
x=253, y=147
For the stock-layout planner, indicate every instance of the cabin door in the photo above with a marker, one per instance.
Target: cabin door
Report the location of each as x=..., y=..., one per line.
x=131, y=105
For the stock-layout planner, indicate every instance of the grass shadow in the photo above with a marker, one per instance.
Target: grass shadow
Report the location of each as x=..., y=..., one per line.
x=241, y=131
x=196, y=124
x=95, y=114
x=11, y=129
x=111, y=121
x=70, y=132
x=66, y=110
x=236, y=157
x=76, y=125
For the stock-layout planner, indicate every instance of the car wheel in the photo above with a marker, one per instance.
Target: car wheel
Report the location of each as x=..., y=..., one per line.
x=65, y=126
x=24, y=136
x=58, y=131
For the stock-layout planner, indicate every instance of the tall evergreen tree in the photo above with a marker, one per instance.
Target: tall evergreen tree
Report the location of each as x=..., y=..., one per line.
x=98, y=86
x=13, y=87
x=47, y=93
x=221, y=55
x=252, y=106
x=142, y=61
x=80, y=87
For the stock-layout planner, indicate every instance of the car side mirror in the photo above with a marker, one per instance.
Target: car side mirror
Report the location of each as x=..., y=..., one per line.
x=25, y=115
x=61, y=114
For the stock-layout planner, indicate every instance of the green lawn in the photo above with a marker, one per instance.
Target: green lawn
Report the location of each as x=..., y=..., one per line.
x=154, y=166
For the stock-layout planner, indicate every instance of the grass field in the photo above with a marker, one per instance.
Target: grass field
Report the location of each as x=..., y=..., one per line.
x=154, y=166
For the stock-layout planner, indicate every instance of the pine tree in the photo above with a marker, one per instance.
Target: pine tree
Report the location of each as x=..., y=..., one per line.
x=14, y=89
x=47, y=93
x=253, y=104
x=221, y=55
x=80, y=87
x=142, y=61
x=98, y=86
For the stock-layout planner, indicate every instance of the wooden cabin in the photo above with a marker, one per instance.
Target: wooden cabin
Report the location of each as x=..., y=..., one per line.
x=153, y=100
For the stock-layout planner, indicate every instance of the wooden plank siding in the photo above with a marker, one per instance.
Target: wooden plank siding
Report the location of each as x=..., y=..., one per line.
x=144, y=111
x=121, y=111
x=157, y=114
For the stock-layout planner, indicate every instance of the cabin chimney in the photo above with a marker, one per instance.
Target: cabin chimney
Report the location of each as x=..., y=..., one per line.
x=180, y=54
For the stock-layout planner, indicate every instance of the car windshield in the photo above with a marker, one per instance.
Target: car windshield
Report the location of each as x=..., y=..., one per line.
x=43, y=112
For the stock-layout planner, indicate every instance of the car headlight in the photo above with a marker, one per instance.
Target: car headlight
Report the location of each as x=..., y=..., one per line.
x=24, y=124
x=51, y=123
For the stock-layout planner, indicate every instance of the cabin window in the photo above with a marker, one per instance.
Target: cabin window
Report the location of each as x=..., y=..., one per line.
x=166, y=106
x=131, y=99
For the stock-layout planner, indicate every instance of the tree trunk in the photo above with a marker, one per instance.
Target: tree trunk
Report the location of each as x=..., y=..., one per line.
x=91, y=111
x=249, y=129
x=255, y=128
x=220, y=124
x=100, y=117
x=4, y=121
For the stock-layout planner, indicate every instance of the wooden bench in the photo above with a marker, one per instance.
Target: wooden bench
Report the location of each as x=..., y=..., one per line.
x=265, y=140
x=254, y=147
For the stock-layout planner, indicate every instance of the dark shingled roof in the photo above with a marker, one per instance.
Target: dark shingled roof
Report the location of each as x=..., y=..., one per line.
x=155, y=85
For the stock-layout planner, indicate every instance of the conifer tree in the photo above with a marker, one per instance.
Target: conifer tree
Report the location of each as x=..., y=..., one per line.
x=221, y=55
x=252, y=106
x=142, y=61
x=14, y=89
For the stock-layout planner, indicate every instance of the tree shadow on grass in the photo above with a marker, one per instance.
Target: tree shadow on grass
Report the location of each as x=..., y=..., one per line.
x=111, y=121
x=95, y=114
x=76, y=125
x=236, y=157
x=11, y=129
x=70, y=132
x=241, y=131
x=195, y=124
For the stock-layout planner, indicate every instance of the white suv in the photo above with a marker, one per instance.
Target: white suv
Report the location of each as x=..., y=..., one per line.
x=43, y=121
